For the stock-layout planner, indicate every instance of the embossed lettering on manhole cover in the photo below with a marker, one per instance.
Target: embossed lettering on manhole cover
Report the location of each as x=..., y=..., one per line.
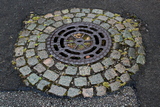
x=79, y=43
x=77, y=51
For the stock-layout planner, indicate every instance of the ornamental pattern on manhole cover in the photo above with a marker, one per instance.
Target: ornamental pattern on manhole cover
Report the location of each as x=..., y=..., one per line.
x=78, y=51
x=79, y=43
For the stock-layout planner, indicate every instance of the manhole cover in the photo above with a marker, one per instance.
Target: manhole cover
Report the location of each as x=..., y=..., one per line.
x=79, y=43
x=77, y=51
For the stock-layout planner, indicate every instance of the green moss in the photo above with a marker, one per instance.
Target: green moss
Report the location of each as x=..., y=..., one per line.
x=106, y=84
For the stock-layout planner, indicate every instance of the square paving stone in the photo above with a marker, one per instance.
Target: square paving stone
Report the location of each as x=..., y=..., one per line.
x=128, y=26
x=87, y=92
x=86, y=10
x=110, y=74
x=112, y=21
x=113, y=31
x=97, y=67
x=91, y=15
x=120, y=68
x=50, y=75
x=75, y=10
x=35, y=32
x=103, y=18
x=33, y=78
x=77, y=19
x=107, y=62
x=71, y=70
x=136, y=33
x=43, y=38
x=72, y=92
x=30, y=53
x=32, y=61
x=39, y=68
x=25, y=70
x=97, y=22
x=96, y=79
x=127, y=34
x=22, y=41
x=42, y=54
x=134, y=68
x=80, y=81
x=60, y=66
x=126, y=62
x=40, y=27
x=130, y=43
x=41, y=46
x=114, y=86
x=19, y=51
x=66, y=21
x=125, y=77
x=115, y=54
x=33, y=38
x=105, y=25
x=58, y=24
x=84, y=70
x=80, y=14
x=58, y=18
x=119, y=18
x=109, y=14
x=41, y=20
x=98, y=11
x=49, y=22
x=31, y=26
x=20, y=61
x=25, y=33
x=49, y=62
x=42, y=84
x=101, y=90
x=49, y=29
x=69, y=15
x=132, y=53
x=141, y=59
x=57, y=90
x=118, y=38
x=49, y=15
x=65, y=80
x=120, y=26
x=31, y=45
x=87, y=19
x=65, y=11
x=57, y=13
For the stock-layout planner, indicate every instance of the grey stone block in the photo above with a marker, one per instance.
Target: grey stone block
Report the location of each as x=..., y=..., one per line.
x=57, y=90
x=60, y=66
x=33, y=78
x=97, y=67
x=25, y=70
x=101, y=90
x=19, y=51
x=50, y=75
x=87, y=92
x=30, y=53
x=39, y=68
x=114, y=86
x=32, y=61
x=65, y=80
x=20, y=61
x=110, y=74
x=84, y=70
x=43, y=38
x=71, y=70
x=42, y=54
x=80, y=81
x=42, y=84
x=96, y=79
x=72, y=92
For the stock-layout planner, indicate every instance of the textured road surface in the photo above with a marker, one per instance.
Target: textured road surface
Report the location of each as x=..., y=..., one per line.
x=13, y=12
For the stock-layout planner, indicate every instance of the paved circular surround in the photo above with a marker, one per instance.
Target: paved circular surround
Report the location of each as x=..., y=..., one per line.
x=41, y=69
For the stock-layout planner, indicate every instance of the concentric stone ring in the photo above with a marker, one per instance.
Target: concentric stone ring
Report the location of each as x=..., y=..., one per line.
x=78, y=52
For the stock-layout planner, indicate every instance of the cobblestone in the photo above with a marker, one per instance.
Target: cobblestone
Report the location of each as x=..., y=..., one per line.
x=80, y=81
x=33, y=78
x=103, y=18
x=49, y=62
x=32, y=61
x=87, y=19
x=19, y=51
x=31, y=26
x=40, y=27
x=97, y=22
x=118, y=38
x=126, y=62
x=22, y=41
x=101, y=90
x=42, y=54
x=49, y=29
x=115, y=86
x=120, y=68
x=41, y=46
x=25, y=70
x=71, y=70
x=49, y=15
x=97, y=67
x=42, y=84
x=49, y=22
x=109, y=14
x=134, y=68
x=127, y=34
x=31, y=45
x=108, y=61
x=43, y=37
x=25, y=33
x=91, y=15
x=50, y=75
x=86, y=10
x=141, y=59
x=58, y=24
x=96, y=79
x=80, y=14
x=65, y=11
x=125, y=77
x=65, y=80
x=87, y=92
x=41, y=20
x=58, y=18
x=130, y=43
x=67, y=21
x=98, y=11
x=72, y=92
x=105, y=25
x=20, y=61
x=110, y=74
x=39, y=68
x=115, y=54
x=30, y=53
x=132, y=53
x=33, y=38
x=75, y=10
x=57, y=90
x=60, y=66
x=84, y=70
x=77, y=20
x=119, y=26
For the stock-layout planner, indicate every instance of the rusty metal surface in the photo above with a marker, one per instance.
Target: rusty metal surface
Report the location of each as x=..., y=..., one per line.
x=79, y=43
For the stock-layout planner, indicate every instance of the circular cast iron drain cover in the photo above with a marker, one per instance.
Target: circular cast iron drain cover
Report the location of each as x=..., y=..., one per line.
x=79, y=43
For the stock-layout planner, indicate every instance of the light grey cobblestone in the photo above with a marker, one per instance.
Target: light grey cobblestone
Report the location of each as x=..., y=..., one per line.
x=60, y=66
x=101, y=90
x=19, y=51
x=50, y=75
x=110, y=74
x=33, y=78
x=72, y=92
x=71, y=70
x=96, y=79
x=39, y=68
x=65, y=80
x=97, y=67
x=25, y=70
x=87, y=92
x=84, y=70
x=80, y=81
x=20, y=61
x=32, y=61
x=42, y=84
x=57, y=90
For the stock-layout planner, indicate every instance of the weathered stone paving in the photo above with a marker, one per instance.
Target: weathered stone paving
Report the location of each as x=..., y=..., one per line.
x=44, y=71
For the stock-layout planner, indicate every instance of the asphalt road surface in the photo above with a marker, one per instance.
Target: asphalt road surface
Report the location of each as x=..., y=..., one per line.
x=146, y=83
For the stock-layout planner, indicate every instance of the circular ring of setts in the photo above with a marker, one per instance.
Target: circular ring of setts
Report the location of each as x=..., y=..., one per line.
x=78, y=51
